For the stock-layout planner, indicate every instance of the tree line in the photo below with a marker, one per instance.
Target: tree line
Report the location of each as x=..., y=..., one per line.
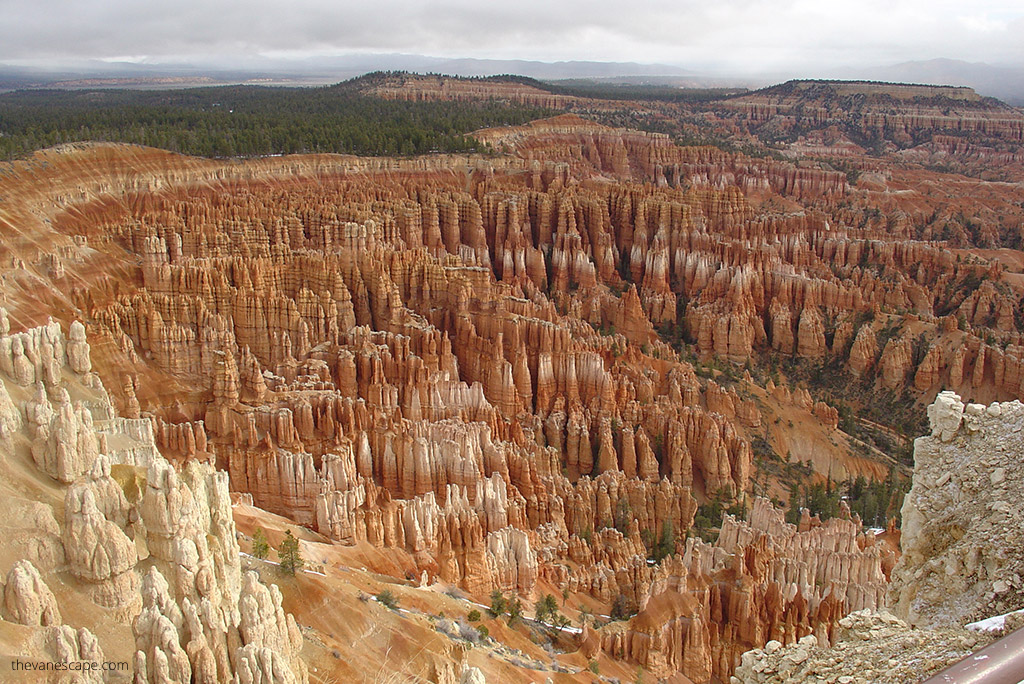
x=242, y=121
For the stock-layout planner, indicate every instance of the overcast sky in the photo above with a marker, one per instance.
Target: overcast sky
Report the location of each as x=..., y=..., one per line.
x=729, y=35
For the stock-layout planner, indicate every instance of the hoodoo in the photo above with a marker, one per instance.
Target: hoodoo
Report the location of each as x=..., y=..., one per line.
x=585, y=402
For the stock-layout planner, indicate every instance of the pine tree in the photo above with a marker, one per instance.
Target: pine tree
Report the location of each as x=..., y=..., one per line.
x=499, y=604
x=260, y=546
x=515, y=611
x=288, y=554
x=545, y=608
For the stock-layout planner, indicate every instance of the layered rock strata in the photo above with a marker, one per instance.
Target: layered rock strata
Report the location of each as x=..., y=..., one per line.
x=462, y=359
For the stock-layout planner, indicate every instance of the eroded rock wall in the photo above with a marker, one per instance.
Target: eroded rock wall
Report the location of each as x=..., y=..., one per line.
x=761, y=581
x=963, y=519
x=195, y=619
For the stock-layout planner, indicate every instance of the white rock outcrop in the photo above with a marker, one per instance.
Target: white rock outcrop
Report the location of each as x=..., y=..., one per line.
x=68, y=644
x=963, y=519
x=193, y=619
x=27, y=598
x=65, y=447
x=98, y=551
x=10, y=417
x=78, y=349
x=870, y=648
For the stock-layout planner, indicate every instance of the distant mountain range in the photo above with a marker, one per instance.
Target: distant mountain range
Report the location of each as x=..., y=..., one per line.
x=321, y=70
x=1005, y=83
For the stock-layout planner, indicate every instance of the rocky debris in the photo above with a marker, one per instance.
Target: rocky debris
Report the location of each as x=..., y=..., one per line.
x=27, y=599
x=869, y=648
x=963, y=519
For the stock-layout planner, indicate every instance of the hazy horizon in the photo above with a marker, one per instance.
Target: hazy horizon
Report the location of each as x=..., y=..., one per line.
x=732, y=37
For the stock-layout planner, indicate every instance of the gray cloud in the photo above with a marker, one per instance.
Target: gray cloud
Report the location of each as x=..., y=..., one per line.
x=734, y=34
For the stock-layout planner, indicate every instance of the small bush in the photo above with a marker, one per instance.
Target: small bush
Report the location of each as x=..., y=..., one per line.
x=446, y=626
x=515, y=611
x=469, y=632
x=594, y=667
x=473, y=615
x=387, y=599
x=483, y=631
x=621, y=608
x=454, y=593
x=545, y=608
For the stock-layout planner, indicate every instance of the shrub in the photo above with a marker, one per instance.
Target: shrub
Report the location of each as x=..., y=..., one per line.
x=469, y=633
x=447, y=627
x=620, y=608
x=473, y=615
x=483, y=631
x=387, y=599
x=515, y=611
x=560, y=621
x=594, y=667
x=545, y=608
x=453, y=592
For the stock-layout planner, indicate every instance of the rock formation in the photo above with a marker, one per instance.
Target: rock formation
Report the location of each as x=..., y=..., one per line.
x=761, y=581
x=869, y=647
x=27, y=599
x=211, y=627
x=962, y=519
x=961, y=561
x=502, y=373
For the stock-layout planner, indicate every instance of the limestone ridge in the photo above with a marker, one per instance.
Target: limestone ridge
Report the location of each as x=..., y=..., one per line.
x=173, y=536
x=963, y=520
